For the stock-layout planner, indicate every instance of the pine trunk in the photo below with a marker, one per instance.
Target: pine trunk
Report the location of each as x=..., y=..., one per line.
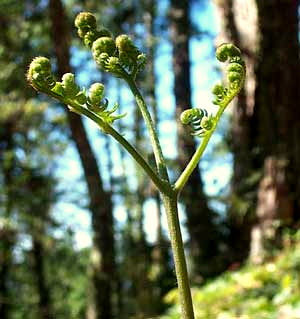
x=41, y=188
x=277, y=118
x=45, y=308
x=7, y=233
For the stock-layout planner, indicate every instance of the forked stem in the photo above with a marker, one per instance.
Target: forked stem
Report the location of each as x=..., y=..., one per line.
x=170, y=201
x=163, y=187
x=104, y=50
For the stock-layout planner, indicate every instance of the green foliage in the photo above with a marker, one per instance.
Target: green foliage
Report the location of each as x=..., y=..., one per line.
x=68, y=278
x=67, y=91
x=86, y=24
x=263, y=291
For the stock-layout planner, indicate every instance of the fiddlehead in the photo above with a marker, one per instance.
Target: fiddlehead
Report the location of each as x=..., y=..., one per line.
x=119, y=57
x=68, y=92
x=130, y=57
x=39, y=74
x=199, y=119
x=70, y=89
x=201, y=122
x=86, y=25
x=97, y=105
x=236, y=72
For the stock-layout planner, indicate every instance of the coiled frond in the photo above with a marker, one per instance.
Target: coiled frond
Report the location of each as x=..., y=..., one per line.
x=119, y=57
x=39, y=74
x=86, y=25
x=199, y=119
x=99, y=106
x=68, y=92
x=201, y=122
x=236, y=72
x=129, y=55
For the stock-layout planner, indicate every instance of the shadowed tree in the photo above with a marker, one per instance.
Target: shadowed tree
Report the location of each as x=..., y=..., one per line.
x=24, y=206
x=103, y=255
x=7, y=232
x=38, y=192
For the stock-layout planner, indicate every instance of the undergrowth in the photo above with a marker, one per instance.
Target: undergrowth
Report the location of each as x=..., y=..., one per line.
x=267, y=291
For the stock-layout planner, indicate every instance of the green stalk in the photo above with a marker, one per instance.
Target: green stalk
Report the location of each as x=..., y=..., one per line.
x=185, y=297
x=159, y=158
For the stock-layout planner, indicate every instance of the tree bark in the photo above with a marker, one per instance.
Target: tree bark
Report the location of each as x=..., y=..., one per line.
x=45, y=308
x=199, y=217
x=277, y=113
x=265, y=130
x=239, y=26
x=41, y=189
x=7, y=233
x=100, y=200
x=7, y=240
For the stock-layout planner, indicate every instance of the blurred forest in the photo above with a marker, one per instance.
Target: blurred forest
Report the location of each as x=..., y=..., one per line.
x=82, y=230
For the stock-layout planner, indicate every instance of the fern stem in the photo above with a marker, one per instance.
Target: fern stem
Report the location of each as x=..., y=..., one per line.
x=163, y=187
x=185, y=298
x=159, y=158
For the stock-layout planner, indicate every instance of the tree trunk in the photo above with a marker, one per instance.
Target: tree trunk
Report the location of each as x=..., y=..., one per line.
x=6, y=243
x=100, y=201
x=45, y=308
x=7, y=233
x=41, y=188
x=265, y=131
x=239, y=26
x=199, y=217
x=277, y=114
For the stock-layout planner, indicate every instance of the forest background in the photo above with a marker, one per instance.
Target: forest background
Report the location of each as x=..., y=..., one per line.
x=83, y=233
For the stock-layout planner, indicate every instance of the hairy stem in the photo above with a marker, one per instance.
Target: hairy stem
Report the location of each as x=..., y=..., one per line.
x=170, y=204
x=159, y=158
x=163, y=187
x=183, y=178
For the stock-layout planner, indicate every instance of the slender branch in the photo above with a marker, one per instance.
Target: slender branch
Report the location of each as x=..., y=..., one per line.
x=163, y=187
x=183, y=178
x=160, y=184
x=159, y=158
x=236, y=72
